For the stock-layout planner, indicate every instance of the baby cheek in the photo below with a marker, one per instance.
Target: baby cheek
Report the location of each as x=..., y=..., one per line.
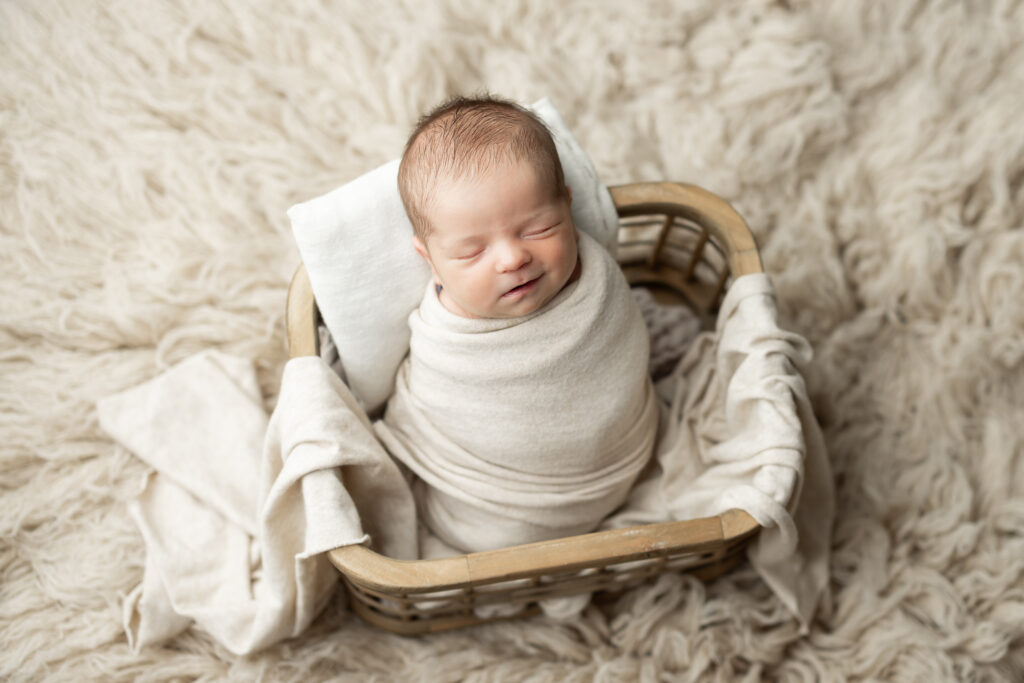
x=483, y=284
x=567, y=254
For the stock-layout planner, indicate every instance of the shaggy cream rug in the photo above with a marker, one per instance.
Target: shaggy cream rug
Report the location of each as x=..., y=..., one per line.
x=149, y=150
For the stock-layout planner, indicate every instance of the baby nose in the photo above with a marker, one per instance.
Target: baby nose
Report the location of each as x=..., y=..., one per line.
x=512, y=257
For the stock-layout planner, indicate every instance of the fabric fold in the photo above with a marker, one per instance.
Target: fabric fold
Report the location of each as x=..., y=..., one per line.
x=240, y=510
x=738, y=431
x=529, y=428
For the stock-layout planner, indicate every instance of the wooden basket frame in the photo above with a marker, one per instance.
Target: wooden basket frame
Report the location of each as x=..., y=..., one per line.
x=674, y=237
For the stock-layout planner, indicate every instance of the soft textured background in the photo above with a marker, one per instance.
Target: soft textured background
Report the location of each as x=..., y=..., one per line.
x=148, y=151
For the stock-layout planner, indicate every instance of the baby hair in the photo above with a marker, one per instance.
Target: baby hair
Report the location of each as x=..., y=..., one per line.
x=467, y=135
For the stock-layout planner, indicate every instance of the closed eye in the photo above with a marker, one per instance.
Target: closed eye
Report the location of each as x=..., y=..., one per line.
x=543, y=231
x=469, y=255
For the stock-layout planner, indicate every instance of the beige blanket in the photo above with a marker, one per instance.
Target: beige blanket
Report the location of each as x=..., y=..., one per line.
x=739, y=432
x=240, y=509
x=531, y=428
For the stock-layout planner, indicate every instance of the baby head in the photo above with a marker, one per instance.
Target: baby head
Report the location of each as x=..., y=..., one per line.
x=484, y=190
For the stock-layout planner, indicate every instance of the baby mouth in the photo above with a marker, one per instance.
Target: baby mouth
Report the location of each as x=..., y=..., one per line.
x=523, y=288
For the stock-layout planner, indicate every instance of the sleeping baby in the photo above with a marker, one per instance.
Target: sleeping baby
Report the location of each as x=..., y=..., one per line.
x=524, y=407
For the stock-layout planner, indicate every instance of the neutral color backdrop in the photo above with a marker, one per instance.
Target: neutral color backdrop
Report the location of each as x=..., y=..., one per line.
x=149, y=150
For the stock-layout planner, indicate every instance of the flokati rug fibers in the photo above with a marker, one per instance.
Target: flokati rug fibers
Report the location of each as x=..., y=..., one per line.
x=149, y=150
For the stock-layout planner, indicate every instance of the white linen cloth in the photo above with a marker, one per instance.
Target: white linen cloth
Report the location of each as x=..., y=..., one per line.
x=739, y=432
x=530, y=428
x=240, y=511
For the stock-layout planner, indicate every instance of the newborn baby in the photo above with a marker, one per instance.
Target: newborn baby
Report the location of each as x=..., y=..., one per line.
x=524, y=407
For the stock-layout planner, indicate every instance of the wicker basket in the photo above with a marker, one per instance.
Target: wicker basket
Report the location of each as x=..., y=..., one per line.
x=676, y=239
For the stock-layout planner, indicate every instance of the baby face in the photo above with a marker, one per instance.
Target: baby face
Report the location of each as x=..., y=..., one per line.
x=501, y=244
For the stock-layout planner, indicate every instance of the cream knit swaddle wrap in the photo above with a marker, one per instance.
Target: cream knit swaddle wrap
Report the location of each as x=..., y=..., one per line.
x=529, y=428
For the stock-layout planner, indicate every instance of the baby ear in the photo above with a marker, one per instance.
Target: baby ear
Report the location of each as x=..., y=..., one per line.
x=421, y=249
x=568, y=194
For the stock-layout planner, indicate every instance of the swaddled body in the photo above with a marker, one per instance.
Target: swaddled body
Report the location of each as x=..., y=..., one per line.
x=529, y=428
x=524, y=407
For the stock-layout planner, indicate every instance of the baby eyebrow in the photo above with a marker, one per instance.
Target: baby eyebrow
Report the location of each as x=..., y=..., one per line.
x=466, y=242
x=541, y=219
x=542, y=215
x=463, y=247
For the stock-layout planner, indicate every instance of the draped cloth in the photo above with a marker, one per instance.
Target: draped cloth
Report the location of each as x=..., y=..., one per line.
x=738, y=431
x=239, y=510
